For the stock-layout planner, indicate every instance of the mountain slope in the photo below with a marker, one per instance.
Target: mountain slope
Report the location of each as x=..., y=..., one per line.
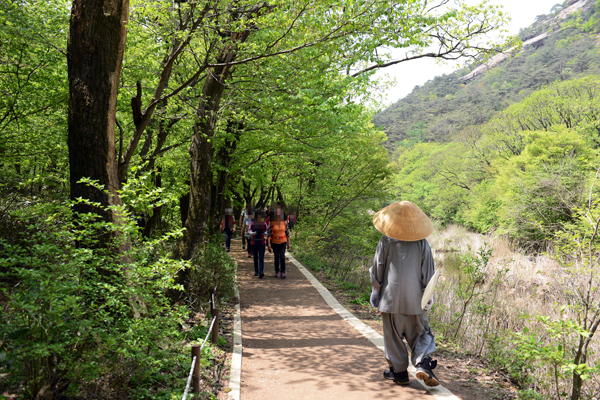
x=559, y=46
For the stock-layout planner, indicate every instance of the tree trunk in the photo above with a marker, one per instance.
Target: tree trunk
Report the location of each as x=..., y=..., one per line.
x=97, y=34
x=201, y=151
x=280, y=198
x=184, y=206
x=223, y=160
x=246, y=194
x=577, y=382
x=151, y=222
x=201, y=155
x=580, y=358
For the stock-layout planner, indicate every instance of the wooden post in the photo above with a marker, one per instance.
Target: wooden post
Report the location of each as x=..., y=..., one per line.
x=196, y=375
x=215, y=331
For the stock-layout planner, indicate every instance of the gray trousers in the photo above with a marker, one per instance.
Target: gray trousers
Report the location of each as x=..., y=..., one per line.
x=415, y=329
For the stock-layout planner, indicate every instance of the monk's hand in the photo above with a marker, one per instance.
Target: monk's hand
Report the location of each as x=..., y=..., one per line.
x=374, y=297
x=429, y=304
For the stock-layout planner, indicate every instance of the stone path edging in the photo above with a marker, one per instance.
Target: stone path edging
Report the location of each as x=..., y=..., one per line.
x=235, y=379
x=439, y=392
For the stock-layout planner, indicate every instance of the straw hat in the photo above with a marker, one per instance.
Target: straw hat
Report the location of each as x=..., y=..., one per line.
x=403, y=221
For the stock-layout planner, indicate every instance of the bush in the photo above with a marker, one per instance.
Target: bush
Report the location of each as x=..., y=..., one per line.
x=212, y=268
x=344, y=250
x=74, y=312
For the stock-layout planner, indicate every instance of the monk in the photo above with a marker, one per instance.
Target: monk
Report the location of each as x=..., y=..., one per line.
x=402, y=267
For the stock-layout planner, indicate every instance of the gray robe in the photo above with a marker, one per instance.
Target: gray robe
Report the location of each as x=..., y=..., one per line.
x=401, y=270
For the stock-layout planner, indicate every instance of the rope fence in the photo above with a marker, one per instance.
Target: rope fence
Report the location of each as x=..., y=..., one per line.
x=194, y=376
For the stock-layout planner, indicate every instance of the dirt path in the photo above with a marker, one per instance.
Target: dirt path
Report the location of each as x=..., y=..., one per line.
x=297, y=347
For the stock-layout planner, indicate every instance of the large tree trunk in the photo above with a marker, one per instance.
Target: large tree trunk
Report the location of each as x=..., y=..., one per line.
x=97, y=35
x=201, y=178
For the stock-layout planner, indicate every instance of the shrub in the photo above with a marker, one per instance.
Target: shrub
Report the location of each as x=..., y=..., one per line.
x=212, y=268
x=73, y=311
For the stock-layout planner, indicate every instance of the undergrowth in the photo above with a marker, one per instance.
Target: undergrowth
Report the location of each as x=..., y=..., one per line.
x=80, y=320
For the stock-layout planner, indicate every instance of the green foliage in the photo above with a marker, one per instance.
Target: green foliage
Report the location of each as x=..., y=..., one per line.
x=344, y=250
x=73, y=311
x=363, y=299
x=212, y=268
x=552, y=354
x=426, y=177
x=571, y=104
x=472, y=295
x=519, y=174
x=578, y=253
x=33, y=98
x=483, y=214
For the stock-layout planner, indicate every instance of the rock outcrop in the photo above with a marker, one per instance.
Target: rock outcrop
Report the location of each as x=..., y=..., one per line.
x=536, y=41
x=572, y=6
x=491, y=63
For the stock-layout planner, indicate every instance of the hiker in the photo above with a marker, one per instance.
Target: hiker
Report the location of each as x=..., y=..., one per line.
x=278, y=238
x=268, y=215
x=228, y=226
x=250, y=220
x=291, y=221
x=402, y=267
x=258, y=231
x=244, y=223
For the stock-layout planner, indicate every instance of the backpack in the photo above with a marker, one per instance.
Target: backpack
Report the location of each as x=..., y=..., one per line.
x=261, y=231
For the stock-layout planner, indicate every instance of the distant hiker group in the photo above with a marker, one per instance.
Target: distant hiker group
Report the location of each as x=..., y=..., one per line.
x=262, y=230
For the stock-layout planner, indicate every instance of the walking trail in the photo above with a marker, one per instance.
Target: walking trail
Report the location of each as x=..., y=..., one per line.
x=295, y=346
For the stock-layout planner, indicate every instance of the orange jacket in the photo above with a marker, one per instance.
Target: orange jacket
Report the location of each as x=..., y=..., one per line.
x=278, y=232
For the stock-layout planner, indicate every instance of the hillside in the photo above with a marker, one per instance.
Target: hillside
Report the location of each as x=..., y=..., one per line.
x=559, y=46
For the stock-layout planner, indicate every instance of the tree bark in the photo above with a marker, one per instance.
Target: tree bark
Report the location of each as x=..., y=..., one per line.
x=223, y=160
x=151, y=222
x=97, y=35
x=184, y=206
x=201, y=157
x=246, y=194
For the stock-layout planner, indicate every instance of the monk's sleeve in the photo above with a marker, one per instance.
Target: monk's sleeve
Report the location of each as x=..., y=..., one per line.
x=427, y=265
x=377, y=271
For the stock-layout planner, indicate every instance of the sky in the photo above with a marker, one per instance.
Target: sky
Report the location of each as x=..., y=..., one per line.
x=417, y=72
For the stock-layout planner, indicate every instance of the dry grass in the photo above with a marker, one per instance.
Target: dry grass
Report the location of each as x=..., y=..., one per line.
x=525, y=287
x=531, y=277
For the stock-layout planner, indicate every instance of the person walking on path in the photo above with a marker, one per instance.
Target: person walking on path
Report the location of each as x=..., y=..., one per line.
x=258, y=231
x=402, y=267
x=291, y=219
x=245, y=218
x=228, y=226
x=278, y=238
